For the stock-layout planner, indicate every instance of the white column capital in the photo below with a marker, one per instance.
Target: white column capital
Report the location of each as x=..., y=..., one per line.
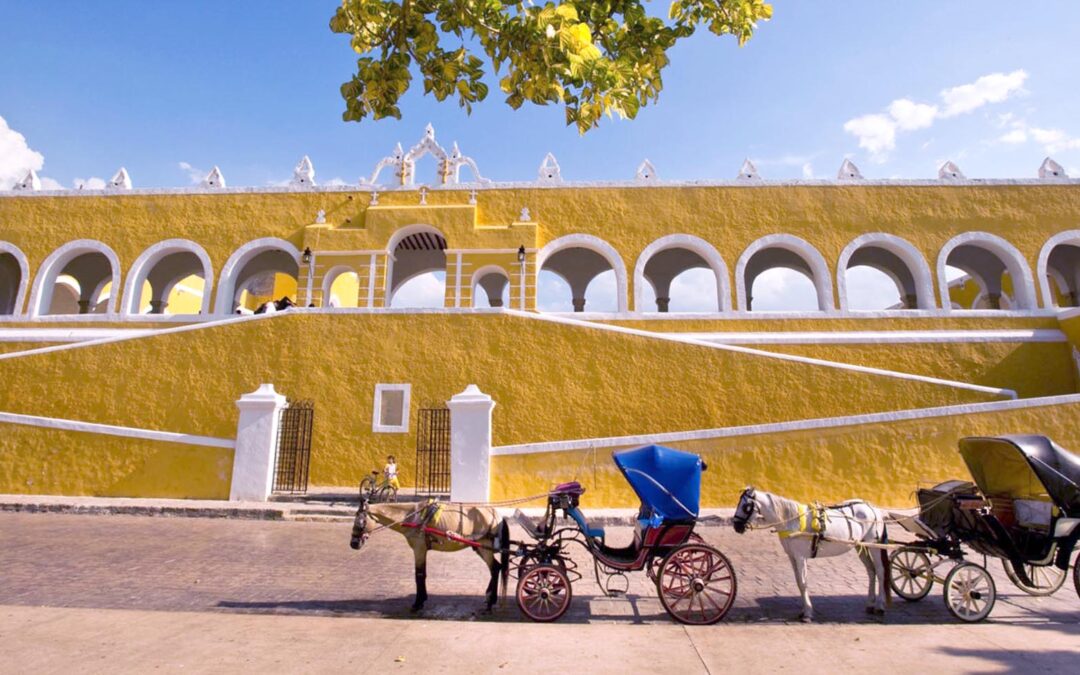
x=263, y=397
x=471, y=397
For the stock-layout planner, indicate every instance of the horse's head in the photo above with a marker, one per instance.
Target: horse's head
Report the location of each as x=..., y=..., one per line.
x=359, y=527
x=747, y=510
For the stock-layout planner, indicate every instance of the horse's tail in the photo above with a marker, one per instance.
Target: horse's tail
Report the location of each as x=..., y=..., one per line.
x=504, y=554
x=886, y=567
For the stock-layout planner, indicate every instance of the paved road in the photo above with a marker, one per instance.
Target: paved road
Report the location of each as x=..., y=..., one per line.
x=165, y=575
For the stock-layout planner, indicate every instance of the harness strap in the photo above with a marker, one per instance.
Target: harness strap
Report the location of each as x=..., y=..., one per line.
x=812, y=520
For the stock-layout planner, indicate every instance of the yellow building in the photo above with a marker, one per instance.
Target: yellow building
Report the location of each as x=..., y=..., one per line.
x=123, y=354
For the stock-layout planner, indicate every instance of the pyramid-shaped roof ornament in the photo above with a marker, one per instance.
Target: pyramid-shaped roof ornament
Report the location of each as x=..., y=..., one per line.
x=646, y=172
x=214, y=180
x=949, y=171
x=1050, y=169
x=550, y=172
x=304, y=173
x=748, y=171
x=120, y=181
x=848, y=171
x=29, y=182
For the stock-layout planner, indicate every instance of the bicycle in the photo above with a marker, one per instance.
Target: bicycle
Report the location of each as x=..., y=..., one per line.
x=376, y=490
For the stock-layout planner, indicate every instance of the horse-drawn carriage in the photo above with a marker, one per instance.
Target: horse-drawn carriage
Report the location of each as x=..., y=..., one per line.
x=1023, y=508
x=695, y=582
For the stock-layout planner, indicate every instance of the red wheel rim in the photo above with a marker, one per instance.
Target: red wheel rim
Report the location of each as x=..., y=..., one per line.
x=696, y=585
x=544, y=593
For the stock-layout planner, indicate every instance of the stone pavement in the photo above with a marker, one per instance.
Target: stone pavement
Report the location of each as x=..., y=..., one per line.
x=171, y=574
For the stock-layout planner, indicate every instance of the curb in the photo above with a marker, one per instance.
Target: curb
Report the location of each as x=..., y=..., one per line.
x=138, y=510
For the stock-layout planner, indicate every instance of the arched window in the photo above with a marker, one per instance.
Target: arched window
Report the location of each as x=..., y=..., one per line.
x=881, y=271
x=1059, y=270
x=681, y=273
x=259, y=271
x=171, y=277
x=341, y=287
x=782, y=272
x=996, y=265
x=490, y=287
x=91, y=265
x=416, y=268
x=586, y=266
x=14, y=272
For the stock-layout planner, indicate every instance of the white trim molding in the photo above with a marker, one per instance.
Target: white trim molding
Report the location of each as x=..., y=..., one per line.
x=53, y=266
x=1019, y=272
x=811, y=256
x=376, y=418
x=691, y=243
x=1042, y=268
x=144, y=264
x=781, y=427
x=236, y=262
x=24, y=276
x=596, y=245
x=111, y=430
x=901, y=248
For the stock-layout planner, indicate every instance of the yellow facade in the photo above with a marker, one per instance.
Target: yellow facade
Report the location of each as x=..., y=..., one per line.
x=550, y=380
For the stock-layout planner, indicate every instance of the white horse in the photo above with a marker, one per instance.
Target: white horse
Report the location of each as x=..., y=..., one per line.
x=812, y=532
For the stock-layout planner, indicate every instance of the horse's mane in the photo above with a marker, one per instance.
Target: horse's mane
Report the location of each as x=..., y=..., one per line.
x=787, y=510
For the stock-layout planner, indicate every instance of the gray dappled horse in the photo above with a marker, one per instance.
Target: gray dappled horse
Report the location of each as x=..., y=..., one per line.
x=478, y=524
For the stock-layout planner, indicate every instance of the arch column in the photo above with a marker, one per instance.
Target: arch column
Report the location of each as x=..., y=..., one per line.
x=815, y=262
x=691, y=243
x=596, y=245
x=1042, y=267
x=234, y=267
x=18, y=300
x=53, y=266
x=1011, y=258
x=902, y=249
x=143, y=268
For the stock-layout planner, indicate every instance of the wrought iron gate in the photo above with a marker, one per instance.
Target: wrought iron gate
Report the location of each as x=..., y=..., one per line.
x=433, y=451
x=294, y=447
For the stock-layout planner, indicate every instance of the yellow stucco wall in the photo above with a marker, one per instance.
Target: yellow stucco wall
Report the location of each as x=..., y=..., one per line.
x=1030, y=369
x=551, y=381
x=36, y=460
x=629, y=218
x=881, y=462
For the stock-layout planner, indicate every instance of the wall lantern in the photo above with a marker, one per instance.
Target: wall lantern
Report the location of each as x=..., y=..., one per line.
x=521, y=254
x=305, y=257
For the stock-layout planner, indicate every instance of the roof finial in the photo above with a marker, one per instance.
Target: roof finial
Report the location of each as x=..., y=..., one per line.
x=949, y=171
x=304, y=173
x=550, y=171
x=848, y=171
x=30, y=182
x=1050, y=169
x=121, y=181
x=214, y=180
x=646, y=172
x=748, y=171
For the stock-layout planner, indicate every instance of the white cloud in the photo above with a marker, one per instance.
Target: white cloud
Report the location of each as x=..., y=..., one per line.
x=92, y=183
x=781, y=289
x=870, y=288
x=808, y=170
x=992, y=88
x=194, y=175
x=50, y=184
x=1052, y=140
x=335, y=182
x=16, y=157
x=876, y=133
x=910, y=115
x=1014, y=136
x=425, y=290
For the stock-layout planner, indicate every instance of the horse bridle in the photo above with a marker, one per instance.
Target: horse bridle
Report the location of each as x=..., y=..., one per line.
x=745, y=510
x=360, y=534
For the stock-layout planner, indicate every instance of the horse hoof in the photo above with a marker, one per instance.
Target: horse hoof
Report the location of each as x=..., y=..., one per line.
x=879, y=612
x=416, y=608
x=806, y=619
x=870, y=610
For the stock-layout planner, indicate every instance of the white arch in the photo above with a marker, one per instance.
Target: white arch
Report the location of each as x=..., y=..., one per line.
x=1067, y=237
x=594, y=244
x=1019, y=272
x=332, y=276
x=901, y=248
x=392, y=245
x=24, y=276
x=141, y=268
x=41, y=294
x=479, y=274
x=235, y=265
x=805, y=250
x=691, y=243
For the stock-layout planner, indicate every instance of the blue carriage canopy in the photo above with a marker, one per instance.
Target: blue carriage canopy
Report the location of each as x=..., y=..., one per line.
x=667, y=481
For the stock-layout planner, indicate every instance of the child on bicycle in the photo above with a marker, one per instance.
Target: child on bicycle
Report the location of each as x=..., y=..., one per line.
x=390, y=473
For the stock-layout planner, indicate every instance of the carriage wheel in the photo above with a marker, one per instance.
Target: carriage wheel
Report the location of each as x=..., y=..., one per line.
x=1076, y=575
x=969, y=592
x=1047, y=579
x=696, y=584
x=912, y=574
x=385, y=495
x=544, y=592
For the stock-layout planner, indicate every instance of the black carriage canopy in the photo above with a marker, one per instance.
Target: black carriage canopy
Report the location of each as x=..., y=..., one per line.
x=1024, y=467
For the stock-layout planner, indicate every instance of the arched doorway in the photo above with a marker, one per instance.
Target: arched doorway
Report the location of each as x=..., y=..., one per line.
x=261, y=270
x=416, y=268
x=171, y=277
x=341, y=287
x=588, y=267
x=782, y=272
x=684, y=273
x=490, y=287
x=888, y=273
x=1059, y=270
x=995, y=264
x=13, y=278
x=94, y=272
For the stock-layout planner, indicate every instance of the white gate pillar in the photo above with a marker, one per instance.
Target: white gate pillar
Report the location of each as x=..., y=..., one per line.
x=256, y=444
x=470, y=445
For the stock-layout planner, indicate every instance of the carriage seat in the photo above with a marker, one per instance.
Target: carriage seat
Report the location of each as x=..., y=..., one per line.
x=1033, y=514
x=531, y=527
x=590, y=531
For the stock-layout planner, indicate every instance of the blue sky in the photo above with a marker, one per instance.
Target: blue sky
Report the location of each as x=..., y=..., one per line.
x=253, y=86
